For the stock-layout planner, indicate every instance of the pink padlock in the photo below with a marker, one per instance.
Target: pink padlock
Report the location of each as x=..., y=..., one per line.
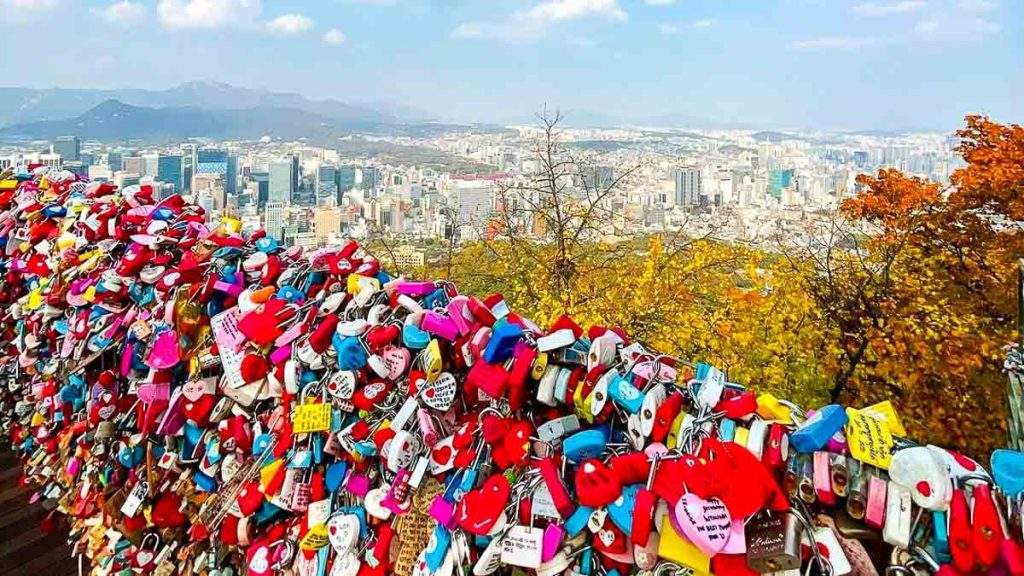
x=428, y=433
x=416, y=288
x=553, y=536
x=358, y=485
x=439, y=325
x=443, y=511
x=397, y=498
x=460, y=315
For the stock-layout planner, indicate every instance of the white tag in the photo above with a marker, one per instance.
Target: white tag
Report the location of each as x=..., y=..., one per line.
x=543, y=505
x=836, y=557
x=712, y=387
x=558, y=427
x=404, y=414
x=490, y=559
x=522, y=547
x=135, y=498
x=896, y=531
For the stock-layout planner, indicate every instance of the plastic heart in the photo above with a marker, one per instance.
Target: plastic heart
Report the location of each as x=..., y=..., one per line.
x=396, y=360
x=706, y=523
x=479, y=510
x=164, y=354
x=193, y=390
x=917, y=470
x=343, y=532
x=440, y=394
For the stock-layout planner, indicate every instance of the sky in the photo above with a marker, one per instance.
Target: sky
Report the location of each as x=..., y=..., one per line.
x=829, y=64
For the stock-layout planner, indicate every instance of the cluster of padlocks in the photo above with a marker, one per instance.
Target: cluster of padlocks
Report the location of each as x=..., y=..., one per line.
x=200, y=401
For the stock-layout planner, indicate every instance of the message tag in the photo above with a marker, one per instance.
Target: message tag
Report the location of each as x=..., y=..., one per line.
x=315, y=539
x=311, y=418
x=522, y=547
x=885, y=412
x=135, y=498
x=869, y=438
x=706, y=523
x=227, y=336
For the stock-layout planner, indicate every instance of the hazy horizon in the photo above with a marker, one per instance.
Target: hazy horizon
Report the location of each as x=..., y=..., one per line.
x=810, y=64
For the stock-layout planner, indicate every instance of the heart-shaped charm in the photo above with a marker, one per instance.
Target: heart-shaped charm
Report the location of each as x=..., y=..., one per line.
x=440, y=394
x=705, y=523
x=397, y=360
x=346, y=565
x=343, y=532
x=164, y=354
x=151, y=392
x=143, y=558
x=199, y=410
x=250, y=498
x=342, y=384
x=479, y=510
x=442, y=456
x=737, y=541
x=258, y=559
x=193, y=390
x=596, y=484
x=373, y=503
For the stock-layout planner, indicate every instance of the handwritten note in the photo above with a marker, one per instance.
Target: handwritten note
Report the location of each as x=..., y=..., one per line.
x=869, y=438
x=228, y=337
x=311, y=418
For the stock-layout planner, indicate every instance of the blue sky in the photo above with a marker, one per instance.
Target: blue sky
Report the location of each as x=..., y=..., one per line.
x=788, y=63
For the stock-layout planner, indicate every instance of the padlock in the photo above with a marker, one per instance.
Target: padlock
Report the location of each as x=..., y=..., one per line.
x=773, y=542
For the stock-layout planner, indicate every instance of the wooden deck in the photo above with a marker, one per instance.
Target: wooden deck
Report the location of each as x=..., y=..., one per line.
x=25, y=550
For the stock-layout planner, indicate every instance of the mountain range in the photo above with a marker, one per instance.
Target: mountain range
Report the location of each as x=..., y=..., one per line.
x=22, y=105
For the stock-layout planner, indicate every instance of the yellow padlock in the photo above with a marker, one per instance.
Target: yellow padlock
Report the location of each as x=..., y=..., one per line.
x=675, y=548
x=431, y=360
x=672, y=440
x=356, y=283
x=269, y=470
x=886, y=412
x=769, y=408
x=540, y=364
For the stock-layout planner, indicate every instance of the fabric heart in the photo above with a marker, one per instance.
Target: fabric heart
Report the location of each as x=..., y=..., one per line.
x=705, y=523
x=198, y=411
x=254, y=368
x=164, y=354
x=167, y=511
x=596, y=484
x=479, y=510
x=343, y=532
x=258, y=559
x=250, y=498
x=260, y=326
x=440, y=394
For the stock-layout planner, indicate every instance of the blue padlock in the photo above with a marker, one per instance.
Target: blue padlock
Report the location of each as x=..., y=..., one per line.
x=583, y=445
x=414, y=337
x=621, y=510
x=1008, y=471
x=726, y=430
x=813, y=434
x=267, y=244
x=578, y=521
x=625, y=394
x=351, y=354
x=438, y=548
x=502, y=343
x=204, y=482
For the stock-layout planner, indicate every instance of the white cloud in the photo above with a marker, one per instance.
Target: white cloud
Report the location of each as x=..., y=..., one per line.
x=550, y=11
x=124, y=13
x=334, y=37
x=29, y=5
x=703, y=23
x=668, y=29
x=289, y=24
x=903, y=6
x=828, y=43
x=977, y=5
x=581, y=42
x=659, y=2
x=206, y=13
x=532, y=24
x=927, y=26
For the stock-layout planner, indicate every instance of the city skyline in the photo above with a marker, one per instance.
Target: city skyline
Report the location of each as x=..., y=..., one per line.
x=894, y=64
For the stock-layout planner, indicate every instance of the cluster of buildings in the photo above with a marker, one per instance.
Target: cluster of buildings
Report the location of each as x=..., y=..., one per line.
x=743, y=185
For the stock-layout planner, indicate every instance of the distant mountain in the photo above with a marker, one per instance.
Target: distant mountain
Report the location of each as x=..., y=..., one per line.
x=115, y=120
x=21, y=105
x=774, y=137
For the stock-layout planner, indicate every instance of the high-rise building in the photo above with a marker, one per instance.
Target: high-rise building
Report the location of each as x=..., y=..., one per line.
x=218, y=161
x=150, y=165
x=274, y=219
x=474, y=200
x=115, y=160
x=689, y=186
x=326, y=222
x=778, y=180
x=169, y=171
x=69, y=147
x=371, y=178
x=327, y=181
x=262, y=181
x=282, y=181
